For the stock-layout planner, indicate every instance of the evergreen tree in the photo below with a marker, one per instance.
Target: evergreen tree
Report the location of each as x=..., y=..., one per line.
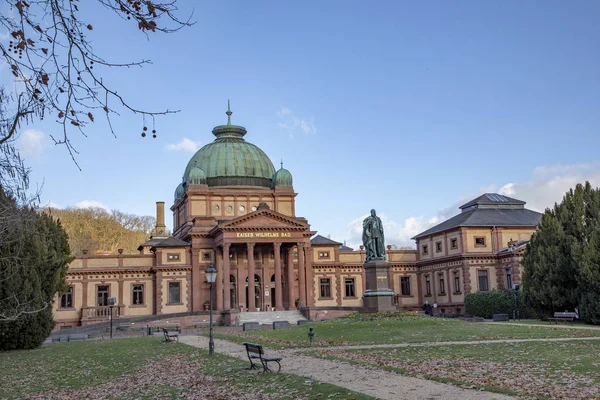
x=34, y=257
x=562, y=260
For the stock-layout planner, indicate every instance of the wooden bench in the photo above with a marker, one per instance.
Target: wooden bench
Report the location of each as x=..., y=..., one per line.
x=563, y=316
x=170, y=337
x=256, y=352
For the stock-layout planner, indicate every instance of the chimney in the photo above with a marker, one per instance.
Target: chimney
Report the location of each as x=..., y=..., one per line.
x=160, y=217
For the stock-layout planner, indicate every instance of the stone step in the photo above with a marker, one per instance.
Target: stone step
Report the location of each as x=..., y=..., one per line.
x=268, y=317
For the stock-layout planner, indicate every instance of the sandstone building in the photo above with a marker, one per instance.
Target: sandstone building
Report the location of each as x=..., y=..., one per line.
x=232, y=209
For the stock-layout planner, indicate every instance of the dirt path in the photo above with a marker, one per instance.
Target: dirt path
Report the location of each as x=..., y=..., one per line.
x=371, y=381
x=395, y=345
x=564, y=326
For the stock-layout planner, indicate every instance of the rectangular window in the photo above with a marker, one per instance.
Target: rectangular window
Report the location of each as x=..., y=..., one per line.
x=323, y=254
x=66, y=300
x=172, y=256
x=405, y=285
x=102, y=295
x=205, y=256
x=137, y=292
x=508, y=279
x=483, y=280
x=456, y=282
x=295, y=255
x=174, y=292
x=425, y=249
x=438, y=247
x=325, y=284
x=427, y=286
x=479, y=242
x=350, y=287
x=442, y=284
x=453, y=244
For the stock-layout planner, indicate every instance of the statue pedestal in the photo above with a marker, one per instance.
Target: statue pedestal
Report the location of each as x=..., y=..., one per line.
x=378, y=296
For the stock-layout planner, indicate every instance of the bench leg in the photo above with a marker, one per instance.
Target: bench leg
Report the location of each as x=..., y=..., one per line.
x=267, y=369
x=252, y=364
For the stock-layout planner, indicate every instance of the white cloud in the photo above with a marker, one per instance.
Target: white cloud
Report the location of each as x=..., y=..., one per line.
x=546, y=185
x=185, y=145
x=290, y=123
x=50, y=204
x=92, y=204
x=32, y=143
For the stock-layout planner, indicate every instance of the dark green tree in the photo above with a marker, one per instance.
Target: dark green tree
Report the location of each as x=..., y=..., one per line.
x=34, y=257
x=562, y=260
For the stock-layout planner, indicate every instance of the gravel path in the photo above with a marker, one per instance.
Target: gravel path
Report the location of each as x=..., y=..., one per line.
x=395, y=345
x=371, y=381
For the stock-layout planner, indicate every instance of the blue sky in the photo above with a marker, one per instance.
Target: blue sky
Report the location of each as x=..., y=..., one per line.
x=406, y=107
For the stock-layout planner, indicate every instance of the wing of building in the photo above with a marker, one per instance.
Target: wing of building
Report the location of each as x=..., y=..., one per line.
x=234, y=210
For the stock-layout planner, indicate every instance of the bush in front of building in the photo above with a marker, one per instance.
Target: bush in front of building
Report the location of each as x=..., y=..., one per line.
x=34, y=257
x=486, y=304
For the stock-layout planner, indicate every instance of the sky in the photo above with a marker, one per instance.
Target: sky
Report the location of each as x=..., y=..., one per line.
x=411, y=108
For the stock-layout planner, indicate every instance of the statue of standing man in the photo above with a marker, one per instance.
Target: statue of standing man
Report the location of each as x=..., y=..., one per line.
x=372, y=237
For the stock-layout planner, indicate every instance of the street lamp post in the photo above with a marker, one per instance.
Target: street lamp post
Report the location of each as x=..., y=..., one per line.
x=516, y=288
x=111, y=304
x=211, y=277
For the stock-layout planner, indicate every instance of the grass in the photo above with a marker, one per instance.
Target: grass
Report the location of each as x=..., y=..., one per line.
x=538, y=369
x=400, y=328
x=145, y=368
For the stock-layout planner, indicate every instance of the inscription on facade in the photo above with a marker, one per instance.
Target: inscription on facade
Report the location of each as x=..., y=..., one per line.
x=263, y=234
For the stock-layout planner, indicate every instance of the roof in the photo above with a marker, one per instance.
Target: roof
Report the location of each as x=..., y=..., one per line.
x=151, y=242
x=487, y=217
x=346, y=248
x=172, y=242
x=516, y=246
x=493, y=199
x=321, y=240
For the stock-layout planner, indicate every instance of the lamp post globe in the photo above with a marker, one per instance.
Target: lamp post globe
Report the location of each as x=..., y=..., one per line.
x=211, y=277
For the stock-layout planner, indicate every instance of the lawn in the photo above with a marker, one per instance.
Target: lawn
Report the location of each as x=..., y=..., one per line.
x=538, y=369
x=143, y=368
x=389, y=328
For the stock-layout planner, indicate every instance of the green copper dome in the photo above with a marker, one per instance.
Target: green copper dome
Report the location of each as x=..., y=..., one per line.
x=196, y=177
x=283, y=177
x=179, y=191
x=230, y=160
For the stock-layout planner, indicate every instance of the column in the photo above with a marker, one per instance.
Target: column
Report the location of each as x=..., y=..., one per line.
x=219, y=282
x=251, y=299
x=310, y=284
x=290, y=278
x=241, y=288
x=226, y=283
x=278, y=287
x=301, y=276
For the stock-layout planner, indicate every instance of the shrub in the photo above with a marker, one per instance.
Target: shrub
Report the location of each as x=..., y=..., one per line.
x=486, y=304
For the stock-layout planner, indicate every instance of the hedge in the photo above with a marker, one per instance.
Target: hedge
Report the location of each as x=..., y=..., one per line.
x=486, y=304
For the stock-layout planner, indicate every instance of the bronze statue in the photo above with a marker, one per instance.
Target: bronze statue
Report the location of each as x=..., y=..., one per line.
x=373, y=238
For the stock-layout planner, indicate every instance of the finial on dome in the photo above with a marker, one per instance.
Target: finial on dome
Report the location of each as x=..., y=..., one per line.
x=282, y=163
x=228, y=113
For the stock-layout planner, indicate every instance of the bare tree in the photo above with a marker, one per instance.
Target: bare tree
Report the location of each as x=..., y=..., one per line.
x=58, y=73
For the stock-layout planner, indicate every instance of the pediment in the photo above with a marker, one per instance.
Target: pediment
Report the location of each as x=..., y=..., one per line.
x=264, y=219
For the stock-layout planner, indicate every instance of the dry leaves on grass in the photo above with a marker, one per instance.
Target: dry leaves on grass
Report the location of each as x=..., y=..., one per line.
x=177, y=376
x=525, y=378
